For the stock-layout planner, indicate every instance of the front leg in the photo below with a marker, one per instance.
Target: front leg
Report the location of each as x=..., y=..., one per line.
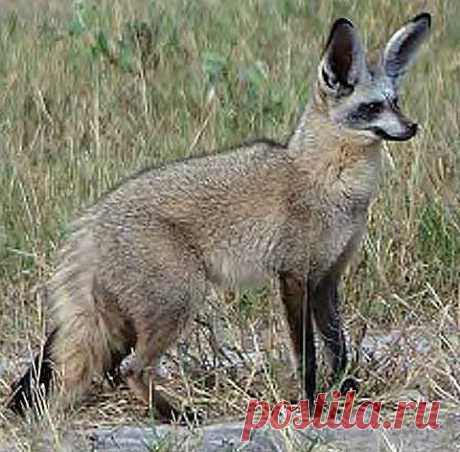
x=295, y=297
x=325, y=304
x=324, y=301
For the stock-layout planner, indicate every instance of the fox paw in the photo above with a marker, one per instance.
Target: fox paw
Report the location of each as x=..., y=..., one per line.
x=349, y=384
x=128, y=366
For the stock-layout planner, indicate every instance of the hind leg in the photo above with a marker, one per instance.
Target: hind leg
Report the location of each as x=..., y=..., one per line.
x=140, y=379
x=155, y=336
x=161, y=307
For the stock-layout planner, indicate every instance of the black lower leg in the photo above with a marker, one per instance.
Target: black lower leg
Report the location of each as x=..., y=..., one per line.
x=308, y=351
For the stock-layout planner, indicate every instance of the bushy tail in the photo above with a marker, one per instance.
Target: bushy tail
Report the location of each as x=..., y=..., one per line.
x=87, y=339
x=35, y=384
x=82, y=346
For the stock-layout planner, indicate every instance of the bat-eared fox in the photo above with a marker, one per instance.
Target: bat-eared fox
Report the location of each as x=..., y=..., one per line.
x=139, y=263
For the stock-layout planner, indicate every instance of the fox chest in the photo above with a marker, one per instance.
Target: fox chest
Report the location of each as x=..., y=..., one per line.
x=336, y=243
x=232, y=271
x=245, y=257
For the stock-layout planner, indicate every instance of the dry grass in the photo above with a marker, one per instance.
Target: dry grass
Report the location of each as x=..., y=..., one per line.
x=92, y=94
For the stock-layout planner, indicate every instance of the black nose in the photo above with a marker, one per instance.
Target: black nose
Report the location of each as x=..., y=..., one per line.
x=413, y=128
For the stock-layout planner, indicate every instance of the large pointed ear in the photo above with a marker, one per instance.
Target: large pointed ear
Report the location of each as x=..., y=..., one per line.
x=343, y=60
x=401, y=50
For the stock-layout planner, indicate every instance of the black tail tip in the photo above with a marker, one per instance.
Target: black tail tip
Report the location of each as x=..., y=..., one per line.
x=17, y=401
x=31, y=390
x=34, y=386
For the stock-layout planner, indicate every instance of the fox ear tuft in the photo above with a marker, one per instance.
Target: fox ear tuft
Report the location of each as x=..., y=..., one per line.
x=343, y=59
x=402, y=48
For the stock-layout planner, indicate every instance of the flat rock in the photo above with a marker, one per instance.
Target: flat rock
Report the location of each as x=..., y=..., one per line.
x=226, y=437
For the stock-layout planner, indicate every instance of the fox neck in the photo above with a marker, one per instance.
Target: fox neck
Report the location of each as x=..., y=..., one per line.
x=340, y=159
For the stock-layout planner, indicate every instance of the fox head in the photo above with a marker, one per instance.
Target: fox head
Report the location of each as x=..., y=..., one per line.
x=362, y=97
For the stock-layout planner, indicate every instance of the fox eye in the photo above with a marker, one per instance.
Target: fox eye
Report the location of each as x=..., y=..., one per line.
x=370, y=109
x=375, y=107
